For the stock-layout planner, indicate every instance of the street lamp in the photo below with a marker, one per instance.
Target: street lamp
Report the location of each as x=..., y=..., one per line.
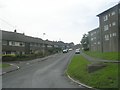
x=43, y=44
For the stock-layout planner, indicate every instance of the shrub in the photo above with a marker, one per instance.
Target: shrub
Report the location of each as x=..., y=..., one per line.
x=8, y=58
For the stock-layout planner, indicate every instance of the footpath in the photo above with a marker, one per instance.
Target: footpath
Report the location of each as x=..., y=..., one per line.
x=93, y=59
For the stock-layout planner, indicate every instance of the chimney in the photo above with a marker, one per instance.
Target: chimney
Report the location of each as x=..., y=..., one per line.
x=15, y=30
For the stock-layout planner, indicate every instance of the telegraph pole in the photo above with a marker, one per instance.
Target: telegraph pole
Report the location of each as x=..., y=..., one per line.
x=43, y=45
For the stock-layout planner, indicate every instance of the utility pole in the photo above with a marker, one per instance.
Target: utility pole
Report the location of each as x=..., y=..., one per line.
x=43, y=45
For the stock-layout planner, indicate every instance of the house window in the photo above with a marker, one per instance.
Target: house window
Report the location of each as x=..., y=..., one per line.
x=22, y=44
x=11, y=43
x=113, y=24
x=113, y=13
x=17, y=44
x=105, y=27
x=105, y=18
x=106, y=37
x=4, y=42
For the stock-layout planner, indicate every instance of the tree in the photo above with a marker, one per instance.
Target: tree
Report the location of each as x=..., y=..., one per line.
x=85, y=42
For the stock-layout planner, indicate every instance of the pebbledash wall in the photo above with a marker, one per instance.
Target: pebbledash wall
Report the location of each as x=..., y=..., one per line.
x=106, y=37
x=19, y=43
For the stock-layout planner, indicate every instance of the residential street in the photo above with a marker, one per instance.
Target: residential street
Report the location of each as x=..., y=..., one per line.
x=48, y=73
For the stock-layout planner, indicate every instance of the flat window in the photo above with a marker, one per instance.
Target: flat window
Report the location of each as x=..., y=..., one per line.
x=105, y=27
x=113, y=13
x=105, y=18
x=106, y=37
x=98, y=42
x=114, y=23
x=91, y=39
x=114, y=34
x=91, y=34
x=110, y=35
x=109, y=25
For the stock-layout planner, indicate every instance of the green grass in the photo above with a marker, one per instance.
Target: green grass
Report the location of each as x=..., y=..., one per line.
x=106, y=77
x=104, y=55
x=4, y=65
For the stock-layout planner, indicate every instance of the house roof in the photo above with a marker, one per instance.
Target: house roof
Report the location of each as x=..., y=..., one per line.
x=14, y=36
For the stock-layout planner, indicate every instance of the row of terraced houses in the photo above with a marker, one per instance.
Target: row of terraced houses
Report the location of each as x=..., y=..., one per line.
x=19, y=43
x=106, y=37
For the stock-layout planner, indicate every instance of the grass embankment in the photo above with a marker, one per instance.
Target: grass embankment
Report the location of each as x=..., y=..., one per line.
x=106, y=77
x=104, y=55
x=4, y=65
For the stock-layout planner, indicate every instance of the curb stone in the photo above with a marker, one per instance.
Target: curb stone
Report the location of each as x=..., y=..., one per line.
x=76, y=81
x=81, y=84
x=17, y=67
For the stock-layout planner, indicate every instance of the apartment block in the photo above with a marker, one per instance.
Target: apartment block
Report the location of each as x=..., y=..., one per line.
x=109, y=25
x=94, y=40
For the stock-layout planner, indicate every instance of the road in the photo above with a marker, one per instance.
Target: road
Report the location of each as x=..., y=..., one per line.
x=49, y=73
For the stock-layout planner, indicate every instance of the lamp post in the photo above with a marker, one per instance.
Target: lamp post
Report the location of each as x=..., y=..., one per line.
x=43, y=45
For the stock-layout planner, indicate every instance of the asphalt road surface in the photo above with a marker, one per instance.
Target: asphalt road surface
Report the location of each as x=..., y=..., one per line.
x=49, y=73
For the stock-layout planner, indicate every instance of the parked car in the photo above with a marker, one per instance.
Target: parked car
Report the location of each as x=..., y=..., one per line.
x=77, y=51
x=65, y=50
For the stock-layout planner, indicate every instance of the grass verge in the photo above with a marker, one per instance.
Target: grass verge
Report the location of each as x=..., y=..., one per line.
x=106, y=77
x=104, y=55
x=4, y=65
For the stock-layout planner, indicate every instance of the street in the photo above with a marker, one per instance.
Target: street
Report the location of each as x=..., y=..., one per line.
x=49, y=73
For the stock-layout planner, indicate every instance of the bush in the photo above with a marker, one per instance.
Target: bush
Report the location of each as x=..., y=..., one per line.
x=8, y=58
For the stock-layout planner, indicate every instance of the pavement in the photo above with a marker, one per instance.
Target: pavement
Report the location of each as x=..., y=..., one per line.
x=11, y=68
x=93, y=59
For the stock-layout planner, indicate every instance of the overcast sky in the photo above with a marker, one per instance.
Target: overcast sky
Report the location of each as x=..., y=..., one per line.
x=65, y=20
